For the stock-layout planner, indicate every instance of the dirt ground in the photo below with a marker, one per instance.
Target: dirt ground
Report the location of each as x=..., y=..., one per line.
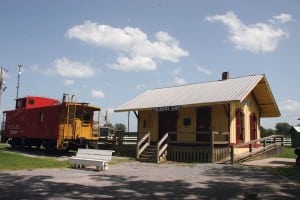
x=135, y=180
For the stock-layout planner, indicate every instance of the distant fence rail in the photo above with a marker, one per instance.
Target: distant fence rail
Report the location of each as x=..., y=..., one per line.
x=286, y=141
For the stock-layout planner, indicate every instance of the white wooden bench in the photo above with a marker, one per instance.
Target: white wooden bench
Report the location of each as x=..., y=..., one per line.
x=91, y=157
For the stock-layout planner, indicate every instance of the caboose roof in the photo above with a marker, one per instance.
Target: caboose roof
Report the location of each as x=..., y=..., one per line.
x=214, y=92
x=95, y=108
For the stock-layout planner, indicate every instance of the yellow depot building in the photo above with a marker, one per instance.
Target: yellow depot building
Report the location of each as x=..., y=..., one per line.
x=202, y=120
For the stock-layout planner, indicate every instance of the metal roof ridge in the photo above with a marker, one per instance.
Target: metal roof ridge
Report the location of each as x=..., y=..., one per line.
x=197, y=83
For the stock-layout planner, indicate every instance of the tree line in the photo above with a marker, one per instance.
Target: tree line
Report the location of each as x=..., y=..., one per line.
x=281, y=128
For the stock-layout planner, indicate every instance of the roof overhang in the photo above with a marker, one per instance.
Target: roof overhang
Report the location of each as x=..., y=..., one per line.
x=265, y=99
x=210, y=93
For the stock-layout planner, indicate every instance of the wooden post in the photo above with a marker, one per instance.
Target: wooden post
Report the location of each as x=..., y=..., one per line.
x=137, y=147
x=212, y=147
x=232, y=154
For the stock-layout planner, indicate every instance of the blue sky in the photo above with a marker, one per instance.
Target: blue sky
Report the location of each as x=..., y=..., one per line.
x=107, y=52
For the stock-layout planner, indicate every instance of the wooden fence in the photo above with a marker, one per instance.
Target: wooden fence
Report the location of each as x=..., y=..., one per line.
x=286, y=141
x=124, y=144
x=203, y=154
x=189, y=154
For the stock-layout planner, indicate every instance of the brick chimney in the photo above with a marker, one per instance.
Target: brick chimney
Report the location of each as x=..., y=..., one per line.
x=225, y=76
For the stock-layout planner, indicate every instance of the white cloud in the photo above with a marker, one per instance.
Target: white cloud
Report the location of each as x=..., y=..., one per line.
x=290, y=105
x=180, y=81
x=67, y=68
x=97, y=94
x=140, y=86
x=34, y=67
x=259, y=37
x=69, y=82
x=176, y=71
x=204, y=70
x=140, y=52
x=134, y=64
x=282, y=18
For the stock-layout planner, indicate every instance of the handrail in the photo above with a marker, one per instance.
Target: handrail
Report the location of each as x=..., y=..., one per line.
x=141, y=145
x=160, y=150
x=250, y=143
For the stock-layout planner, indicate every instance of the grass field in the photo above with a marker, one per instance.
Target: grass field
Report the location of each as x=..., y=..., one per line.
x=14, y=161
x=292, y=172
x=17, y=161
x=288, y=153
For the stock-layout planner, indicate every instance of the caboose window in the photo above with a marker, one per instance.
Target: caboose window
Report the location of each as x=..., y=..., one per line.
x=31, y=101
x=78, y=114
x=21, y=103
x=86, y=116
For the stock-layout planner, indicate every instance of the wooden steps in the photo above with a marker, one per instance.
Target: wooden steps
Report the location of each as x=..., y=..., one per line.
x=149, y=154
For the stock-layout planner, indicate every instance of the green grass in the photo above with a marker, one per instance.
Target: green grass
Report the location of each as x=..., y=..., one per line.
x=120, y=160
x=288, y=153
x=17, y=161
x=291, y=172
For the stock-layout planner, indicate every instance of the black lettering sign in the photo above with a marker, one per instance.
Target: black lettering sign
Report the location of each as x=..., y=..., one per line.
x=166, y=108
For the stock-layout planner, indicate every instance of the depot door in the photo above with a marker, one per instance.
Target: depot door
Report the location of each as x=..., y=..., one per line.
x=204, y=119
x=240, y=126
x=167, y=122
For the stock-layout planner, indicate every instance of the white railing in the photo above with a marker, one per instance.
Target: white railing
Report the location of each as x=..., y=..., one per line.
x=286, y=141
x=129, y=139
x=162, y=146
x=142, y=144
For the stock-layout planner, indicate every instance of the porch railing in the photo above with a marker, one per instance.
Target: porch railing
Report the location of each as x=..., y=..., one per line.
x=162, y=146
x=199, y=150
x=207, y=146
x=142, y=144
x=255, y=147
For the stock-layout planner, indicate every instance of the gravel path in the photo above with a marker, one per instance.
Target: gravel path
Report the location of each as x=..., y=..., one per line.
x=134, y=180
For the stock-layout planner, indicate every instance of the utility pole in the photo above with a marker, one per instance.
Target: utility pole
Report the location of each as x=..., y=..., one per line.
x=19, y=76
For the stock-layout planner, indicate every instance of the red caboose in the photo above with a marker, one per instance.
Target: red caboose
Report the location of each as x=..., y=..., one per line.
x=40, y=121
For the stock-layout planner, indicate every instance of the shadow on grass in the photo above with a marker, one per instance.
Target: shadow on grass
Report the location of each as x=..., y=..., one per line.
x=291, y=171
x=40, y=152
